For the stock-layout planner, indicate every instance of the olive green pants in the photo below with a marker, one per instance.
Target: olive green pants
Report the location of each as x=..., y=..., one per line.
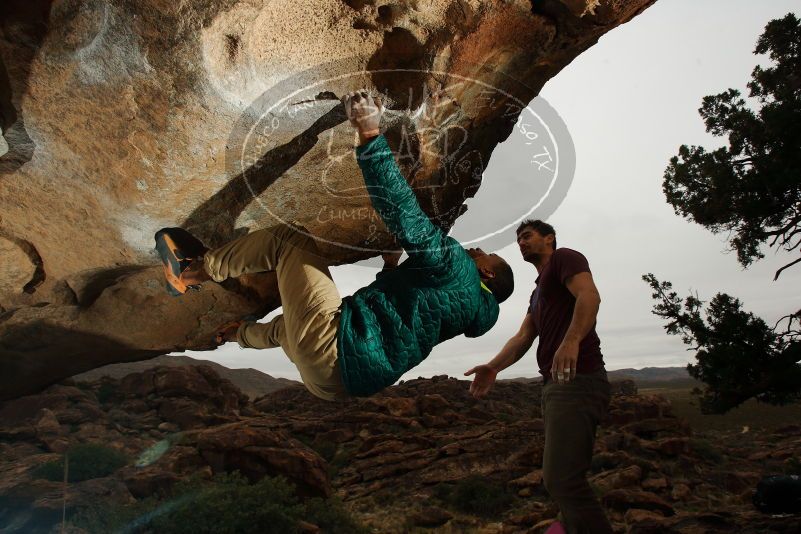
x=307, y=328
x=572, y=412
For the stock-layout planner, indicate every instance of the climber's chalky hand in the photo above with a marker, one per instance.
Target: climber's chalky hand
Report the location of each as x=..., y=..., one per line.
x=364, y=112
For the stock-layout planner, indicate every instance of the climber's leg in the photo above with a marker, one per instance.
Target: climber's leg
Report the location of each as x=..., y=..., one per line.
x=262, y=335
x=310, y=300
x=304, y=280
x=256, y=252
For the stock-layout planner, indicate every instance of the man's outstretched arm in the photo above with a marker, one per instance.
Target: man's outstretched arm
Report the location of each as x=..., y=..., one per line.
x=390, y=194
x=512, y=351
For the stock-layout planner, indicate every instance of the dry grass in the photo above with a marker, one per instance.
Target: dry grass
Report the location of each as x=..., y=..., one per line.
x=752, y=414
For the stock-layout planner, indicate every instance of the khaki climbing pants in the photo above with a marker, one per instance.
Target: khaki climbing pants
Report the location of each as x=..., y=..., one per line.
x=307, y=329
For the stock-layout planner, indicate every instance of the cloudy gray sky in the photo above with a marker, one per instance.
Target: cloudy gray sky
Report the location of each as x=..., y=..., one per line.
x=628, y=102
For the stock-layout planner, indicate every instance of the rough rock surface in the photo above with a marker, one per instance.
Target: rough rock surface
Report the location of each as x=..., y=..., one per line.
x=119, y=118
x=387, y=457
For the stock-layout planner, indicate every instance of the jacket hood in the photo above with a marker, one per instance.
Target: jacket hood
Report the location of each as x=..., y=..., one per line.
x=486, y=316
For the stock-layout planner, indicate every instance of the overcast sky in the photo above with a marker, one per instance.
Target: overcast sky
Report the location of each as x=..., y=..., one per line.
x=628, y=102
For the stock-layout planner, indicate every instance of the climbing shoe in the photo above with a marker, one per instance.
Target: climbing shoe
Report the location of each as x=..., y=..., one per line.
x=177, y=249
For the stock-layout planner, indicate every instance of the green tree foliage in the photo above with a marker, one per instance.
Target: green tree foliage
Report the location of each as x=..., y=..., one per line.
x=752, y=187
x=739, y=356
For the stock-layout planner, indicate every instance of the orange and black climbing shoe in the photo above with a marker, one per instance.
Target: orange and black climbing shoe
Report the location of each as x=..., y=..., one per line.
x=177, y=249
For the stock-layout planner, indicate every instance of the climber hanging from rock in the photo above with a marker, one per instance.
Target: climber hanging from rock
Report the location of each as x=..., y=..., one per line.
x=365, y=342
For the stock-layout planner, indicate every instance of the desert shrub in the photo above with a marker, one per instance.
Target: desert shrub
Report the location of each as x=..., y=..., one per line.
x=230, y=504
x=596, y=489
x=343, y=455
x=602, y=462
x=475, y=495
x=326, y=449
x=792, y=466
x=442, y=492
x=706, y=450
x=330, y=515
x=86, y=460
x=504, y=417
x=105, y=515
x=105, y=392
x=226, y=504
x=383, y=498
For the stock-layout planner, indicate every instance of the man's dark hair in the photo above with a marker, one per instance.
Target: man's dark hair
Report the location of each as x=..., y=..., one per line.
x=504, y=282
x=541, y=227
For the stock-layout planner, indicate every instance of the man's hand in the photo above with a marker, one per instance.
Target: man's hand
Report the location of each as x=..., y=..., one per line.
x=484, y=380
x=227, y=332
x=563, y=368
x=364, y=113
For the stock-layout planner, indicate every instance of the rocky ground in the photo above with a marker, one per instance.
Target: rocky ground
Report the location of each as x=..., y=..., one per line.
x=390, y=458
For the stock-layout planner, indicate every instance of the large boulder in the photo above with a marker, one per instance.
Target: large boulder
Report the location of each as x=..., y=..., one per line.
x=221, y=116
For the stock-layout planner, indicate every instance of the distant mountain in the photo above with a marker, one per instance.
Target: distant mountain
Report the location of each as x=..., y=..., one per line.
x=652, y=374
x=645, y=377
x=252, y=382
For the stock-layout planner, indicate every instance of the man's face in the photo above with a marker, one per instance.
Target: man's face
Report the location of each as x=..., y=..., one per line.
x=533, y=244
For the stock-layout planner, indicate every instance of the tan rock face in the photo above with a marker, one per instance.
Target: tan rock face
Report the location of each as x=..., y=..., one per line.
x=17, y=268
x=221, y=116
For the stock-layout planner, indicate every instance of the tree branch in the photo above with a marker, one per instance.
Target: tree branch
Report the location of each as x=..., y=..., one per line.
x=793, y=222
x=776, y=276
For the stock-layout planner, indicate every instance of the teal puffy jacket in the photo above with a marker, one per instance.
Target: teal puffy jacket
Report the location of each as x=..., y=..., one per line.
x=391, y=325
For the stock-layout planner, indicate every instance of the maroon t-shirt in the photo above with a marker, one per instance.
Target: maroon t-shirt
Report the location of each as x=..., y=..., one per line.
x=552, y=305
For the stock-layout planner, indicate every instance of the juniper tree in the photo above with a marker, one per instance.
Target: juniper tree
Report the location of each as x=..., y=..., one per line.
x=750, y=188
